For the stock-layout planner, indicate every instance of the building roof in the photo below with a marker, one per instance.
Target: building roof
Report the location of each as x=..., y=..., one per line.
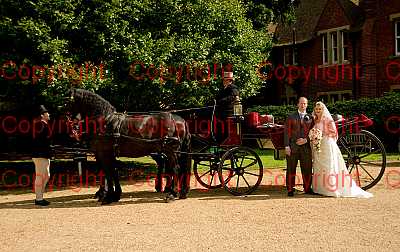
x=307, y=16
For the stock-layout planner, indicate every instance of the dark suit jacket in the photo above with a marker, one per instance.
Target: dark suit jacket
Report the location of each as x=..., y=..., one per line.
x=41, y=141
x=295, y=129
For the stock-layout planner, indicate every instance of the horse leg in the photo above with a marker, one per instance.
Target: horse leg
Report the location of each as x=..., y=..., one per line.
x=118, y=190
x=185, y=166
x=170, y=189
x=107, y=165
x=184, y=176
x=160, y=160
x=100, y=192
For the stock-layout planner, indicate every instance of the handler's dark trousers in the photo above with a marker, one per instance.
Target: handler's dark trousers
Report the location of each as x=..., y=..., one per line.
x=302, y=153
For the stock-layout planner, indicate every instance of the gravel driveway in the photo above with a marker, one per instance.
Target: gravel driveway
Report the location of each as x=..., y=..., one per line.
x=208, y=220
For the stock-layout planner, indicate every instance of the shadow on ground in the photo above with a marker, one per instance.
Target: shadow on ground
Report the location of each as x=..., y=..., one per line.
x=143, y=197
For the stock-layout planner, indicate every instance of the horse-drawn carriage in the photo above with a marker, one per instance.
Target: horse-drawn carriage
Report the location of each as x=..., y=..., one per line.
x=227, y=163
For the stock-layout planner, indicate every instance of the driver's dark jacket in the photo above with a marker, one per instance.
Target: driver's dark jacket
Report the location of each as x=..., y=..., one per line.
x=225, y=100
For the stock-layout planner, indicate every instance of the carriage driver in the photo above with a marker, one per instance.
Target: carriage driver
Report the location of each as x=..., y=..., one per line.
x=226, y=98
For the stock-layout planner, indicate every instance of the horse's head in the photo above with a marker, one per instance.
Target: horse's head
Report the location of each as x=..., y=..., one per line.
x=71, y=106
x=87, y=103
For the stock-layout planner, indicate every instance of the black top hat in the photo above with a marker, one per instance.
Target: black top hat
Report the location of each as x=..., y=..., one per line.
x=42, y=110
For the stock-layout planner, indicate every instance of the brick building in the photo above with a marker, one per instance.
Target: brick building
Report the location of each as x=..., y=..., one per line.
x=336, y=50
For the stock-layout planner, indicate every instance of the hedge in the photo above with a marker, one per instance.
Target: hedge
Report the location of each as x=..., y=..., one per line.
x=385, y=111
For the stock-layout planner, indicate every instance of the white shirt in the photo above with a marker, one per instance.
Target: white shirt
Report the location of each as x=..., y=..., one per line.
x=301, y=114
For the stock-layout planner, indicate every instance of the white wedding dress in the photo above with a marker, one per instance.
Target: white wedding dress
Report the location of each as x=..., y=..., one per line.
x=330, y=175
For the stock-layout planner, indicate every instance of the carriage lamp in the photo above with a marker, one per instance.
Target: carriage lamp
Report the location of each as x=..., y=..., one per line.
x=238, y=113
x=237, y=107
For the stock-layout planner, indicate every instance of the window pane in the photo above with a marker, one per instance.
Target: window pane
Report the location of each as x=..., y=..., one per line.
x=324, y=48
x=345, y=44
x=345, y=53
x=334, y=54
x=334, y=97
x=334, y=39
x=397, y=29
x=398, y=46
x=295, y=55
x=345, y=36
x=323, y=98
x=334, y=47
x=345, y=97
x=287, y=59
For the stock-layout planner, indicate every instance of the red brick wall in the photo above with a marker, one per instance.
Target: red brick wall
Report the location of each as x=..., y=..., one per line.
x=386, y=46
x=332, y=16
x=378, y=48
x=310, y=55
x=375, y=52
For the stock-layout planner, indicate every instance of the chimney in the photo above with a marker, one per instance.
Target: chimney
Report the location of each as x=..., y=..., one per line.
x=370, y=7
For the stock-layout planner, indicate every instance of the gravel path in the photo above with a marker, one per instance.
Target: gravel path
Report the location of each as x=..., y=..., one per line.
x=208, y=220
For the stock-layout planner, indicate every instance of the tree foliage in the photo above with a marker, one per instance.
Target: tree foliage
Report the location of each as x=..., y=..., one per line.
x=94, y=44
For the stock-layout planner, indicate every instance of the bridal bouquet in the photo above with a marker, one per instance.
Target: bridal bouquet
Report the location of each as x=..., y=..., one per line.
x=315, y=136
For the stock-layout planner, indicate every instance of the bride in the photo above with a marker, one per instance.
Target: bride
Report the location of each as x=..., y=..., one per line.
x=331, y=177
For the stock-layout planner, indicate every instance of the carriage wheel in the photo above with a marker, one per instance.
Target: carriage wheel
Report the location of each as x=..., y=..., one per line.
x=244, y=169
x=205, y=167
x=365, y=157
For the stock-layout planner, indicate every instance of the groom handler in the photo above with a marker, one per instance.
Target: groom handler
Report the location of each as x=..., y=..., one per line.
x=297, y=147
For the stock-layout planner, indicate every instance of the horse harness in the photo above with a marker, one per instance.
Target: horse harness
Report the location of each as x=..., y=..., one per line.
x=116, y=133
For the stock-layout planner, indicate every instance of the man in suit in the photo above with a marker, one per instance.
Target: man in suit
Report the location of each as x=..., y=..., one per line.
x=297, y=147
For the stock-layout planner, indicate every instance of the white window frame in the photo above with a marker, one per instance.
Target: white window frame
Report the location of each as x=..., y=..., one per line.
x=344, y=33
x=325, y=51
x=328, y=59
x=334, y=49
x=396, y=37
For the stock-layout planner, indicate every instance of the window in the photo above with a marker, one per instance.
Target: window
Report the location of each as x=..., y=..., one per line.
x=286, y=56
x=346, y=97
x=324, y=49
x=345, y=45
x=397, y=37
x=334, y=96
x=295, y=56
x=323, y=98
x=290, y=56
x=334, y=47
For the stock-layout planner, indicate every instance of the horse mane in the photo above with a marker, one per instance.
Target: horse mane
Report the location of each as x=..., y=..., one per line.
x=92, y=103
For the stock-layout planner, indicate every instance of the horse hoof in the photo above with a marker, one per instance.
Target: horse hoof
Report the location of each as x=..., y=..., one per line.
x=183, y=196
x=106, y=201
x=169, y=198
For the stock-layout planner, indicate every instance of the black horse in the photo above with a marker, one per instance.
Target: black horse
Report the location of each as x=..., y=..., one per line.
x=115, y=134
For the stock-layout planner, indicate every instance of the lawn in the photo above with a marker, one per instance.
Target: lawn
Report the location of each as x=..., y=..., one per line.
x=267, y=158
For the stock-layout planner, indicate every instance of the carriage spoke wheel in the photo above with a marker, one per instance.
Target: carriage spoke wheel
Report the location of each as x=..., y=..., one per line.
x=241, y=171
x=206, y=167
x=365, y=157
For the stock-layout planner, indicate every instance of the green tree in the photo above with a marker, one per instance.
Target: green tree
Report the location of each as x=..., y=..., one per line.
x=94, y=44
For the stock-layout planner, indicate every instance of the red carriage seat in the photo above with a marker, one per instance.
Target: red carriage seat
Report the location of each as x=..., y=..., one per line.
x=254, y=119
